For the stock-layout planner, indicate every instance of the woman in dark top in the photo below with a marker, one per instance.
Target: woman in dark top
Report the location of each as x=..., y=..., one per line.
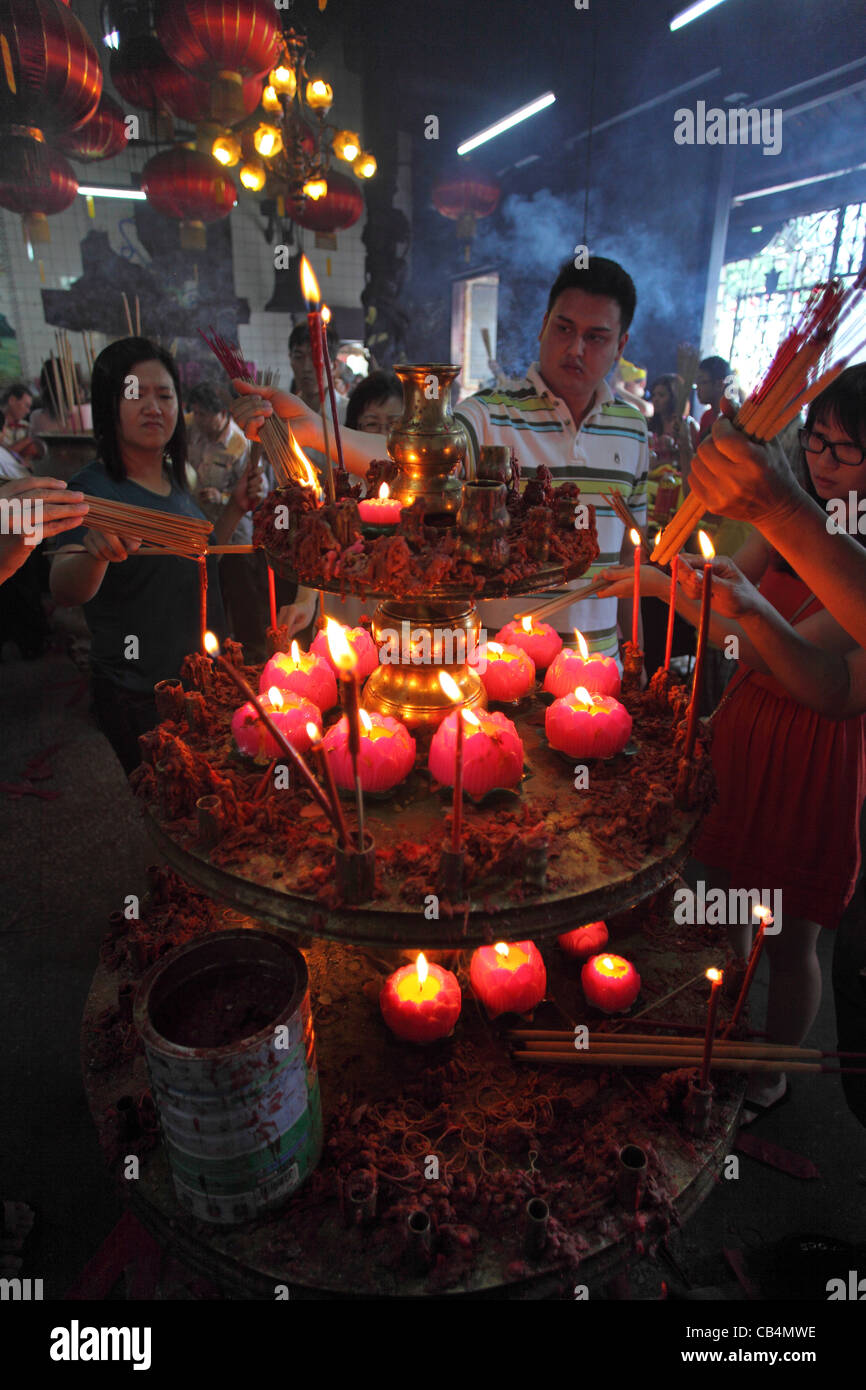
x=143, y=613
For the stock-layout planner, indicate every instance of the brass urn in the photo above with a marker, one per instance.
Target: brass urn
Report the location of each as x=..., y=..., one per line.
x=428, y=444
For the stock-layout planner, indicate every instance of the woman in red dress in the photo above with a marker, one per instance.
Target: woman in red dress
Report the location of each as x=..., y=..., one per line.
x=789, y=754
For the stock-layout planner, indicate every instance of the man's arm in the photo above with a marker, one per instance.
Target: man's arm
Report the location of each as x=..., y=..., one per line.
x=736, y=478
x=255, y=403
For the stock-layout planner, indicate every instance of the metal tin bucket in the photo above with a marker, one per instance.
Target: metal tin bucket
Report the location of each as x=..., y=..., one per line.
x=241, y=1119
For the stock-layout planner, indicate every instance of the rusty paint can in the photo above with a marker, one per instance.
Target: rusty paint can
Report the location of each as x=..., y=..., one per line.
x=228, y=1035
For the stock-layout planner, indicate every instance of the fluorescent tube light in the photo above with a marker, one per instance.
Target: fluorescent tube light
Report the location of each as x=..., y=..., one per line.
x=507, y=122
x=98, y=191
x=797, y=183
x=692, y=12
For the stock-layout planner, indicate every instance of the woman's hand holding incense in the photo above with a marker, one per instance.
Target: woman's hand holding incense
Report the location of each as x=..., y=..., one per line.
x=105, y=546
x=254, y=404
x=734, y=596
x=654, y=583
x=736, y=478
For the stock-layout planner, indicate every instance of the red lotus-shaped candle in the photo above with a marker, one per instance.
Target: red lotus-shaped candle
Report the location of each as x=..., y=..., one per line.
x=383, y=510
x=421, y=1002
x=290, y=713
x=587, y=726
x=610, y=983
x=570, y=669
x=361, y=643
x=492, y=751
x=508, y=978
x=387, y=753
x=304, y=673
x=584, y=942
x=507, y=673
x=538, y=640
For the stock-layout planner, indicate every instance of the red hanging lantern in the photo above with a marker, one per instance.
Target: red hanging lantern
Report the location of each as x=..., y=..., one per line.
x=191, y=100
x=223, y=42
x=464, y=196
x=190, y=187
x=340, y=208
x=102, y=137
x=51, y=74
x=145, y=76
x=35, y=181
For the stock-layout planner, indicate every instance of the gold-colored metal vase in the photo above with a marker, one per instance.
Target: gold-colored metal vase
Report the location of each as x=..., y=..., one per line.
x=428, y=443
x=416, y=641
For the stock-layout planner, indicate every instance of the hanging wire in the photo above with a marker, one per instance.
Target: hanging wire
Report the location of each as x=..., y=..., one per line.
x=583, y=239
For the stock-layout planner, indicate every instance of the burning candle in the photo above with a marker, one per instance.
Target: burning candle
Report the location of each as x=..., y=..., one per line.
x=421, y=1002
x=584, y=942
x=289, y=713
x=716, y=977
x=492, y=752
x=765, y=918
x=507, y=673
x=365, y=651
x=314, y=734
x=272, y=598
x=310, y=288
x=452, y=690
x=303, y=673
x=635, y=603
x=346, y=663
x=610, y=983
x=202, y=598
x=538, y=640
x=332, y=393
x=386, y=755
x=587, y=726
x=672, y=609
x=508, y=978
x=569, y=669
x=383, y=510
x=703, y=628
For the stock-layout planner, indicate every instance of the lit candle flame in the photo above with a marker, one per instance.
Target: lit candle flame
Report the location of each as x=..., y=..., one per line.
x=450, y=686
x=366, y=720
x=295, y=653
x=707, y=548
x=313, y=732
x=763, y=913
x=299, y=455
x=496, y=648
x=275, y=695
x=581, y=644
x=713, y=974
x=606, y=963
x=421, y=968
x=384, y=492
x=501, y=948
x=211, y=645
x=309, y=283
x=326, y=314
x=583, y=695
x=338, y=645
x=526, y=623
x=471, y=718
x=635, y=537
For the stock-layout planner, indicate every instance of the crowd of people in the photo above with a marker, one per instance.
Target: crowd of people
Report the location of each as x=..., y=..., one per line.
x=788, y=733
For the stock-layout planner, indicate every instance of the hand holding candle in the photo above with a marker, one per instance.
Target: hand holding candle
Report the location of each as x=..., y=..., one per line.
x=421, y=1002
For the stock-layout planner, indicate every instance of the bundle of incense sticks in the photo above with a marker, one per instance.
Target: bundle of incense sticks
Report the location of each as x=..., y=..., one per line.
x=667, y=1053
x=179, y=534
x=63, y=383
x=627, y=517
x=274, y=433
x=799, y=371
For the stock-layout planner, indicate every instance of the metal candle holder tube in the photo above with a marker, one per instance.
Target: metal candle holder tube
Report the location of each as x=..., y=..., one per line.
x=697, y=1108
x=631, y=1176
x=419, y=1240
x=535, y=1229
x=451, y=874
x=356, y=871
x=358, y=1194
x=210, y=816
x=196, y=711
x=169, y=699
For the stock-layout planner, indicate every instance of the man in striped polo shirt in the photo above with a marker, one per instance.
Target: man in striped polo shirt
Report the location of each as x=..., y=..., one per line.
x=563, y=414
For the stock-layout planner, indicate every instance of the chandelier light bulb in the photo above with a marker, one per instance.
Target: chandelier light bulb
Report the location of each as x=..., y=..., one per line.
x=268, y=140
x=270, y=100
x=283, y=81
x=253, y=176
x=365, y=166
x=315, y=188
x=347, y=145
x=226, y=150
x=320, y=95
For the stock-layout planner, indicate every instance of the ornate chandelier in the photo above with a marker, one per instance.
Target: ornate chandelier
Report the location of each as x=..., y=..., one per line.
x=296, y=146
